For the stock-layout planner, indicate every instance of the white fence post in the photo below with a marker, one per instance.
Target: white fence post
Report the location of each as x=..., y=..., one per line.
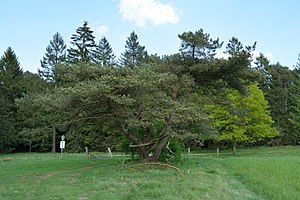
x=109, y=152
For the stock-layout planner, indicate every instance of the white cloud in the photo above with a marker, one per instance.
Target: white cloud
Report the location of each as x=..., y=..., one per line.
x=269, y=56
x=101, y=30
x=141, y=11
x=255, y=54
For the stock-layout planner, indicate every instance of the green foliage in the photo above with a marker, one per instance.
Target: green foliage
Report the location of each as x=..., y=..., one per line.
x=11, y=76
x=198, y=45
x=235, y=48
x=104, y=54
x=55, y=55
x=243, y=118
x=34, y=121
x=172, y=151
x=262, y=66
x=258, y=120
x=134, y=53
x=294, y=94
x=131, y=100
x=83, y=45
x=125, y=147
x=278, y=96
x=229, y=117
x=11, y=88
x=280, y=85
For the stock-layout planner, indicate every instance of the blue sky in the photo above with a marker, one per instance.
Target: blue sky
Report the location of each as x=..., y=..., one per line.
x=28, y=25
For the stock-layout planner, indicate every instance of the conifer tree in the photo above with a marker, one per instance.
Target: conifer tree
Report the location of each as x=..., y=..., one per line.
x=262, y=65
x=11, y=88
x=294, y=117
x=55, y=54
x=234, y=46
x=134, y=53
x=198, y=45
x=104, y=53
x=84, y=45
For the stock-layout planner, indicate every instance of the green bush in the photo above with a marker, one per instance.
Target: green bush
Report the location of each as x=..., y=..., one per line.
x=172, y=151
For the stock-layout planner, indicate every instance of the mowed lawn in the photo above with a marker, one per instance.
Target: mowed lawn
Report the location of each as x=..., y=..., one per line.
x=259, y=173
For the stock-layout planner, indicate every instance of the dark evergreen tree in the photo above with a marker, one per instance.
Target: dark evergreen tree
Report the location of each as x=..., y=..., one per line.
x=294, y=116
x=83, y=45
x=234, y=47
x=11, y=76
x=262, y=66
x=278, y=96
x=198, y=45
x=55, y=54
x=11, y=88
x=134, y=53
x=104, y=53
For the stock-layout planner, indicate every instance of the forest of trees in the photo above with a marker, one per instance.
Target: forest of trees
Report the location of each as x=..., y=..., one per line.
x=144, y=103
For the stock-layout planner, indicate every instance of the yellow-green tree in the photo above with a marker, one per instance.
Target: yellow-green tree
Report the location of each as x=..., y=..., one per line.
x=242, y=118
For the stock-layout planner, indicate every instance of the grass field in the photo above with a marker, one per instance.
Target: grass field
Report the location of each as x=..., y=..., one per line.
x=260, y=173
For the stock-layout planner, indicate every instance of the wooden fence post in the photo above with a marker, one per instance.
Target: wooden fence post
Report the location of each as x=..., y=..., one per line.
x=87, y=152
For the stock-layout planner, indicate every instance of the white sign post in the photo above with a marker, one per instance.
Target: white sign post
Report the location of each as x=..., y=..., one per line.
x=62, y=145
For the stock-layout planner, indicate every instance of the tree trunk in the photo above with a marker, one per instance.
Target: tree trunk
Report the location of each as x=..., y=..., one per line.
x=234, y=147
x=30, y=145
x=144, y=150
x=144, y=153
x=158, y=147
x=53, y=139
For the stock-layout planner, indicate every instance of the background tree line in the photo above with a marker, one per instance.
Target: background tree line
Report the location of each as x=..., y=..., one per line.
x=146, y=104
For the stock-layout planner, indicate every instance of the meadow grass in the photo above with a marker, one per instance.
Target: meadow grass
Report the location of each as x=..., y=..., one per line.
x=259, y=173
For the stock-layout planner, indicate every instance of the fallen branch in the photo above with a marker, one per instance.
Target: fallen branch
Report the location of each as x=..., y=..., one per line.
x=148, y=143
x=164, y=165
x=6, y=159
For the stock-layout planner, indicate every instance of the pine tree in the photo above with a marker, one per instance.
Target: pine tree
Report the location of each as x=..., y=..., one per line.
x=104, y=53
x=55, y=54
x=262, y=65
x=134, y=53
x=234, y=47
x=11, y=88
x=198, y=45
x=294, y=117
x=278, y=96
x=11, y=75
x=83, y=45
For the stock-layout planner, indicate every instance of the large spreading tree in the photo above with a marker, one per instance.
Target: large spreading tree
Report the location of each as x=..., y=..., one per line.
x=151, y=103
